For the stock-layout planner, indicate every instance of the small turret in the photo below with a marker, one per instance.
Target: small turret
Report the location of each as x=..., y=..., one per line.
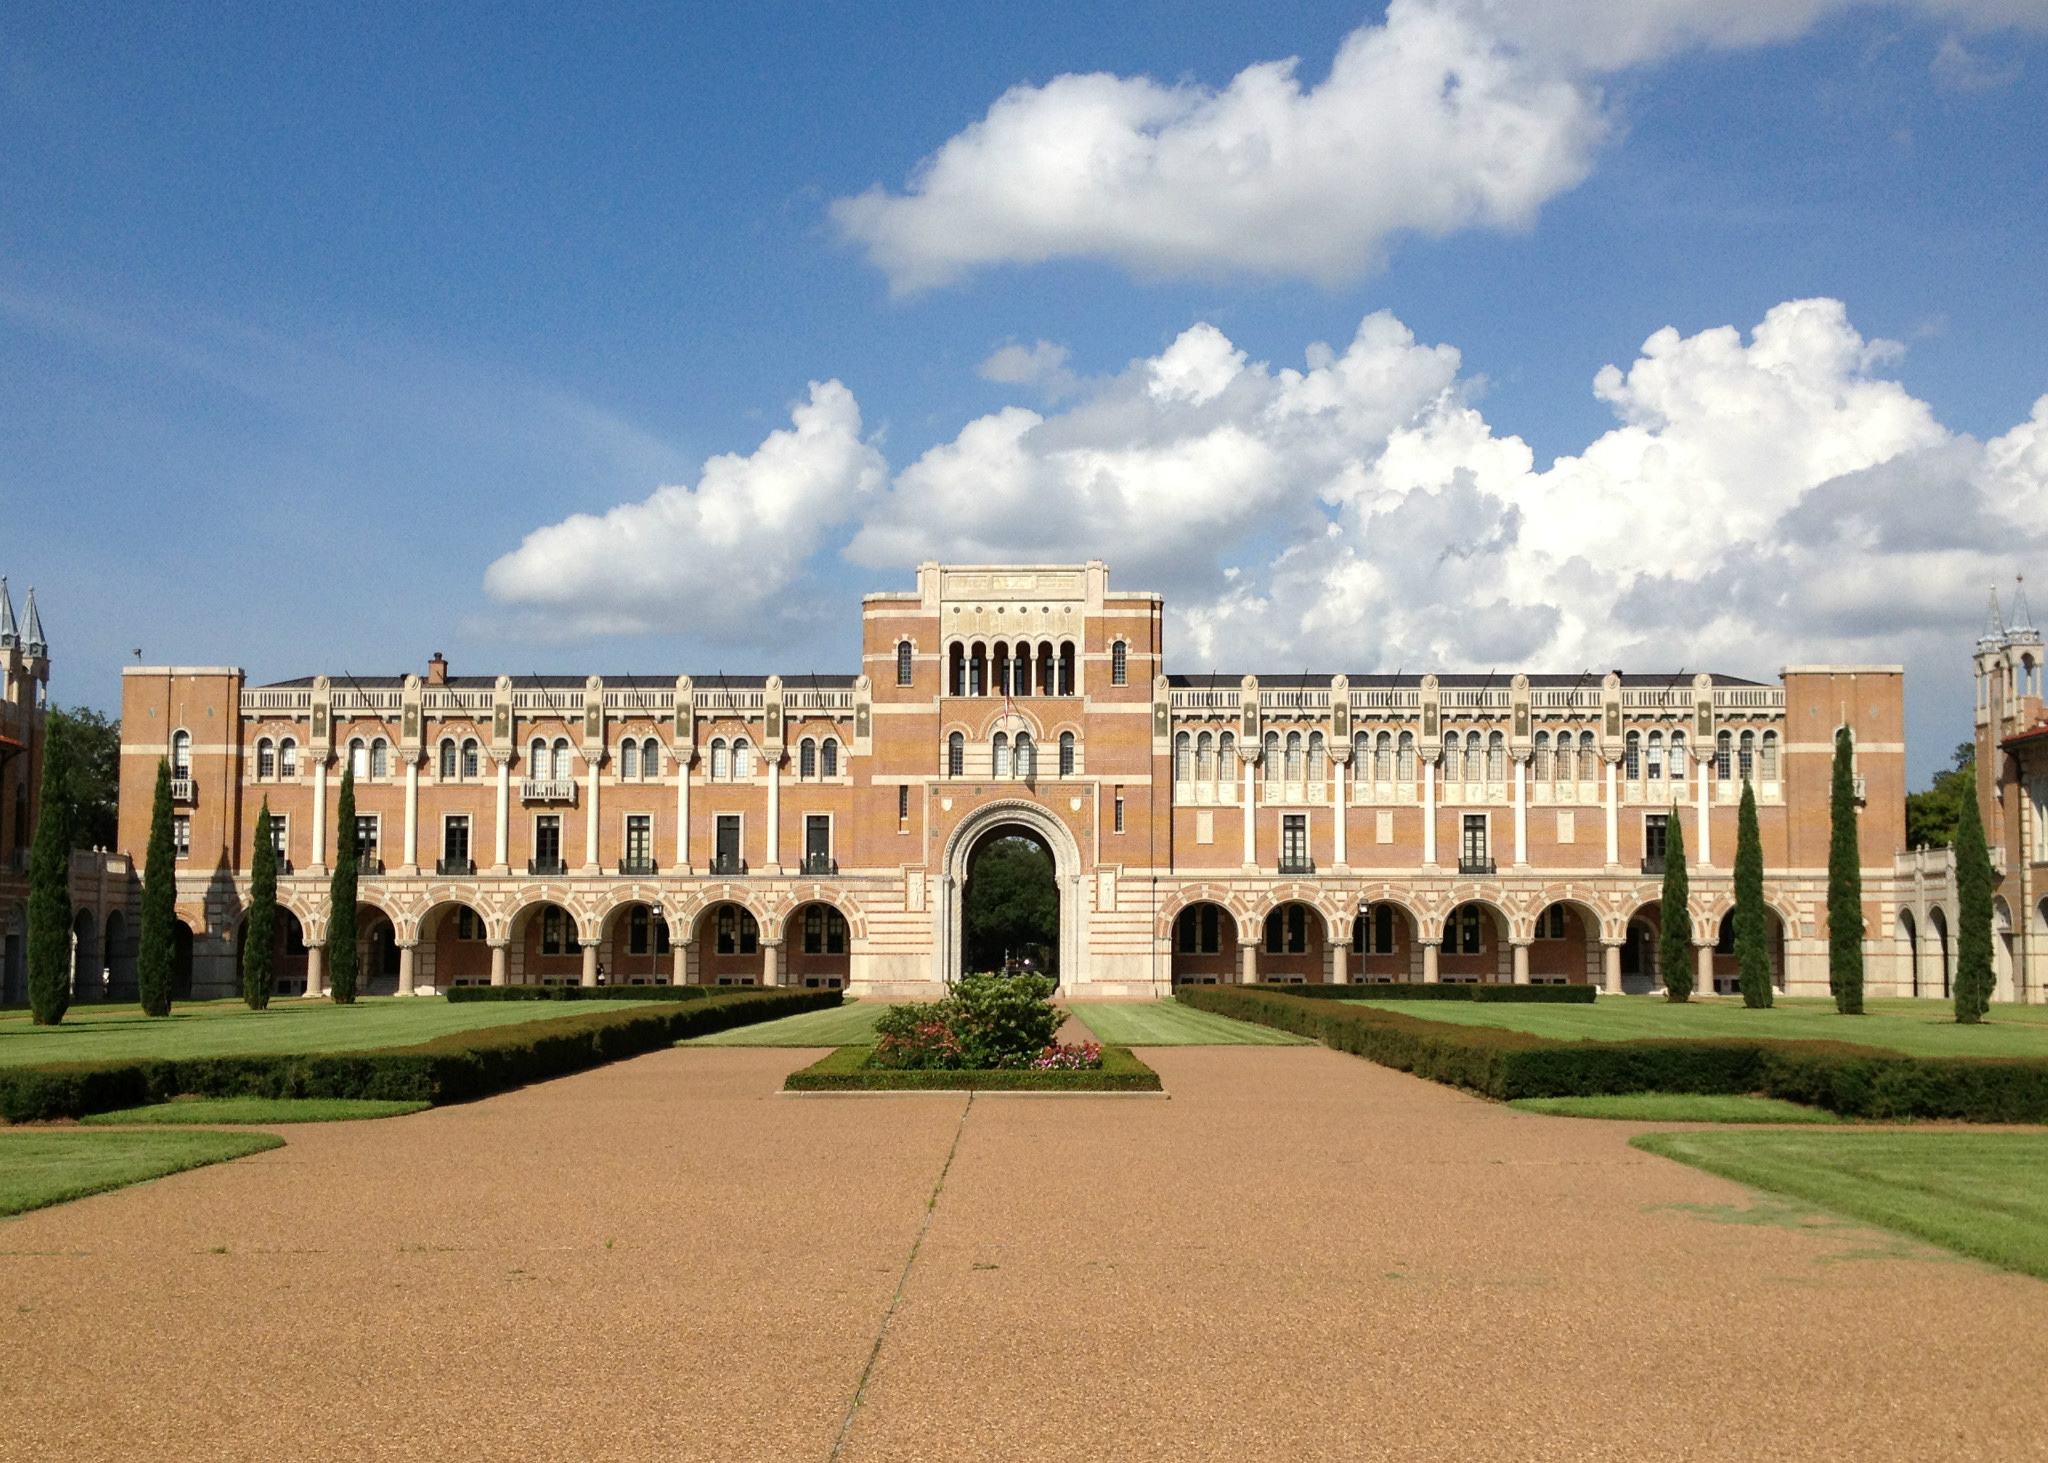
x=34, y=643
x=2020, y=628
x=10, y=635
x=1993, y=638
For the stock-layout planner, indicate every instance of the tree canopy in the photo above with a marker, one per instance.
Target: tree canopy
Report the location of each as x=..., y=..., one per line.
x=92, y=773
x=1012, y=906
x=1934, y=814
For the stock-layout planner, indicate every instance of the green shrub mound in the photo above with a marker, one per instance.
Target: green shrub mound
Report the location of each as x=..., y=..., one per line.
x=457, y=995
x=1851, y=1080
x=986, y=1021
x=848, y=1070
x=1409, y=990
x=452, y=1068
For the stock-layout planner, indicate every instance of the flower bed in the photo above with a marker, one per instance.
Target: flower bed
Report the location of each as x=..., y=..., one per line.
x=850, y=1069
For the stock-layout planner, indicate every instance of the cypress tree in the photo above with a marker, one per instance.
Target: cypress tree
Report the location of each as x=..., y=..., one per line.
x=259, y=942
x=1845, y=885
x=1974, y=980
x=49, y=891
x=156, y=952
x=1752, y=943
x=341, y=898
x=1674, y=941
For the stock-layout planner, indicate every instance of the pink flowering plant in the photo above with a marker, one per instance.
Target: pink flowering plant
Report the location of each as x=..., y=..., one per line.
x=987, y=1021
x=1069, y=1056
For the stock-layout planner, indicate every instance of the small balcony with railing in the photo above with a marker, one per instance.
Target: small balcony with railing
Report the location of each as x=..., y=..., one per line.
x=1473, y=862
x=728, y=864
x=460, y=866
x=820, y=863
x=184, y=787
x=638, y=866
x=547, y=866
x=1297, y=864
x=1653, y=864
x=548, y=790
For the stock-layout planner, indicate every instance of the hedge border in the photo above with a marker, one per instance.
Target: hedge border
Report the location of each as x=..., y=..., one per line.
x=1855, y=1081
x=1409, y=990
x=464, y=994
x=455, y=1067
x=845, y=1069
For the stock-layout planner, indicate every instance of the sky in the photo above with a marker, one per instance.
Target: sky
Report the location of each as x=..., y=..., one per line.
x=1452, y=334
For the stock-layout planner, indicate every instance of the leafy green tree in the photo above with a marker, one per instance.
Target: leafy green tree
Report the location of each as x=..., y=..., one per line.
x=1752, y=937
x=1933, y=816
x=1012, y=906
x=259, y=939
x=341, y=897
x=1674, y=940
x=49, y=889
x=92, y=773
x=1974, y=980
x=156, y=952
x=1845, y=884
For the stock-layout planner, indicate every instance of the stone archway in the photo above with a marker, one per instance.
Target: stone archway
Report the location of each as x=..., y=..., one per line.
x=1033, y=822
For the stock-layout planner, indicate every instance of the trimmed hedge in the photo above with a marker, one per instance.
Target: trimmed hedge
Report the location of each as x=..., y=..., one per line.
x=846, y=1070
x=1409, y=990
x=1851, y=1080
x=452, y=1068
x=457, y=995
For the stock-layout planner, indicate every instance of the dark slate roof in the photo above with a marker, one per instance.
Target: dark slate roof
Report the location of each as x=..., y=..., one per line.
x=1460, y=680
x=708, y=681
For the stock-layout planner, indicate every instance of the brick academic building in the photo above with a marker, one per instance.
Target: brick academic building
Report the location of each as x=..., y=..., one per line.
x=822, y=829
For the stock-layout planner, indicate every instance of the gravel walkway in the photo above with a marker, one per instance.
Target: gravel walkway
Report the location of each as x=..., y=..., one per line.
x=1300, y=1255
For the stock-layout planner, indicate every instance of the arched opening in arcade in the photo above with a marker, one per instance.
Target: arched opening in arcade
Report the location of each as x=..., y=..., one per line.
x=1728, y=968
x=1292, y=945
x=636, y=946
x=88, y=970
x=454, y=948
x=1639, y=972
x=120, y=948
x=1937, y=957
x=376, y=952
x=1909, y=952
x=817, y=945
x=1010, y=908
x=14, y=955
x=181, y=960
x=1475, y=947
x=729, y=946
x=1383, y=946
x=1565, y=946
x=1204, y=945
x=287, y=953
x=2001, y=945
x=546, y=946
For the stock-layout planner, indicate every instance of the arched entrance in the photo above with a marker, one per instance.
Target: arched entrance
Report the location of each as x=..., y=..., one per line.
x=729, y=946
x=1204, y=945
x=1291, y=945
x=2001, y=949
x=818, y=946
x=287, y=957
x=1475, y=944
x=1639, y=975
x=1383, y=943
x=1565, y=949
x=546, y=945
x=1937, y=928
x=14, y=955
x=454, y=948
x=1728, y=965
x=636, y=946
x=181, y=961
x=1011, y=817
x=376, y=952
x=1010, y=906
x=120, y=959
x=88, y=978
x=1909, y=951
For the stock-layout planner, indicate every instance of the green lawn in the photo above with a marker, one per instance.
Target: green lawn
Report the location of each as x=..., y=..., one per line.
x=1677, y=1107
x=1977, y=1193
x=1168, y=1023
x=228, y=1028
x=849, y=1024
x=255, y=1110
x=1918, y=1028
x=39, y=1167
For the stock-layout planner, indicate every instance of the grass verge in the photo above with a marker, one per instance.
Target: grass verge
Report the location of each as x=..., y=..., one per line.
x=253, y=1110
x=38, y=1169
x=1677, y=1107
x=847, y=1070
x=1979, y=1194
x=1166, y=1023
x=852, y=1024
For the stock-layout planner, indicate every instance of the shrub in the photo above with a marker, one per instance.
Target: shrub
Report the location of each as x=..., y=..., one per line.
x=457, y=995
x=919, y=1037
x=156, y=950
x=987, y=1021
x=1845, y=884
x=1069, y=1057
x=1570, y=995
x=49, y=891
x=341, y=895
x=260, y=940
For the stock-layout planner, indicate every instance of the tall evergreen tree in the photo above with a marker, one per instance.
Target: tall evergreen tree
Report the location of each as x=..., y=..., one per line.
x=259, y=940
x=156, y=951
x=1974, y=979
x=49, y=889
x=1674, y=940
x=1845, y=885
x=1752, y=939
x=341, y=897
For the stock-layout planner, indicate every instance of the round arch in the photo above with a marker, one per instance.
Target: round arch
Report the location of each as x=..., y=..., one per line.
x=961, y=844
x=88, y=979
x=1727, y=966
x=1639, y=973
x=287, y=955
x=1939, y=956
x=1385, y=935
x=2001, y=947
x=727, y=935
x=454, y=945
x=546, y=937
x=1564, y=944
x=1294, y=941
x=817, y=943
x=1203, y=942
x=120, y=948
x=1909, y=952
x=1475, y=937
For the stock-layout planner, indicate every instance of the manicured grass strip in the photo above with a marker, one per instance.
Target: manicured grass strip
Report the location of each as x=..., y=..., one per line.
x=43, y=1168
x=846, y=1070
x=1677, y=1107
x=1916, y=1028
x=261, y=1110
x=852, y=1023
x=123, y=1033
x=1165, y=1023
x=1978, y=1194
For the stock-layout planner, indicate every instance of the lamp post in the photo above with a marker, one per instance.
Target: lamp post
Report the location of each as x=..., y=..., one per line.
x=654, y=941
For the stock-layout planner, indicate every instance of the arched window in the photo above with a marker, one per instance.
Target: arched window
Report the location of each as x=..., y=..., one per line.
x=1020, y=668
x=1745, y=755
x=721, y=765
x=1724, y=745
x=1002, y=754
x=1361, y=754
x=1561, y=770
x=562, y=769
x=1589, y=761
x=1632, y=757
x=181, y=755
x=1294, y=756
x=650, y=758
x=470, y=759
x=1183, y=757
x=956, y=755
x=1205, y=757
x=1404, y=764
x=629, y=760
x=380, y=752
x=537, y=759
x=266, y=758
x=742, y=759
x=1066, y=754
x=1770, y=758
x=1656, y=758
x=828, y=757
x=1452, y=771
x=1383, y=757
x=1066, y=667
x=1678, y=756
x=977, y=669
x=807, y=758
x=447, y=757
x=1026, y=757
x=287, y=758
x=1273, y=769
x=1317, y=764
x=358, y=758
x=956, y=669
x=1540, y=757
x=1496, y=758
x=903, y=666
x=1119, y=664
x=1226, y=757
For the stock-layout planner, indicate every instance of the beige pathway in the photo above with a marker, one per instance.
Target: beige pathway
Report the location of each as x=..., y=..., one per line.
x=1299, y=1255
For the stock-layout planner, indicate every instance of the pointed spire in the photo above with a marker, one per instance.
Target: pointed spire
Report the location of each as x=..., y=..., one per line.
x=32, y=639
x=1993, y=637
x=9, y=635
x=2022, y=616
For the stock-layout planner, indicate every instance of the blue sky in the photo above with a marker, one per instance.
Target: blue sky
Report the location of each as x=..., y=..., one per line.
x=308, y=320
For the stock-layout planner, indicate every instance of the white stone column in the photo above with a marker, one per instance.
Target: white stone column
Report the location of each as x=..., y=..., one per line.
x=498, y=954
x=1342, y=814
x=412, y=815
x=1430, y=950
x=316, y=969
x=405, y=969
x=1247, y=961
x=501, y=837
x=592, y=820
x=1340, y=963
x=682, y=818
x=590, y=962
x=679, y=963
x=1428, y=813
x=1521, y=813
x=1613, y=815
x=775, y=815
x=1610, y=969
x=319, y=864
x=1251, y=819
x=771, y=961
x=1705, y=822
x=1703, y=984
x=1521, y=957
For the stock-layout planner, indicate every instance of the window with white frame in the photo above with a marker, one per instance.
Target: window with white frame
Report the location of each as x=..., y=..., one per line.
x=181, y=754
x=1067, y=748
x=380, y=753
x=281, y=837
x=446, y=761
x=288, y=758
x=807, y=758
x=369, y=830
x=903, y=663
x=1000, y=755
x=1119, y=664
x=266, y=759
x=828, y=757
x=181, y=835
x=956, y=755
x=629, y=760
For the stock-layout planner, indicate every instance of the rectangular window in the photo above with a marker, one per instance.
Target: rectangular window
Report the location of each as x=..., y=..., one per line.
x=547, y=840
x=1550, y=923
x=817, y=843
x=468, y=925
x=455, y=838
x=1472, y=840
x=368, y=829
x=903, y=803
x=280, y=837
x=903, y=662
x=554, y=931
x=1463, y=932
x=639, y=840
x=1119, y=664
x=1119, y=825
x=1656, y=829
x=181, y=835
x=727, y=848
x=1294, y=840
